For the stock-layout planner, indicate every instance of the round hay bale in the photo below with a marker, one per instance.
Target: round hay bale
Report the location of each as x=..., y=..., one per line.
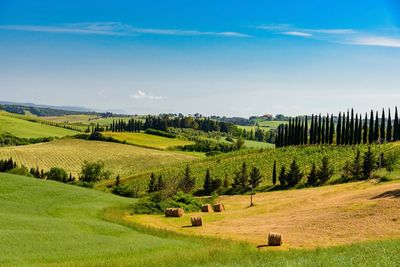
x=174, y=212
x=219, y=207
x=274, y=239
x=196, y=221
x=206, y=208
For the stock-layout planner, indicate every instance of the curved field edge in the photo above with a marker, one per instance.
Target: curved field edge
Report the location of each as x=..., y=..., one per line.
x=45, y=223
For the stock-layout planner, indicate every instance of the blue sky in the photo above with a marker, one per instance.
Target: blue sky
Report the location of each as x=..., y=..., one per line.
x=234, y=58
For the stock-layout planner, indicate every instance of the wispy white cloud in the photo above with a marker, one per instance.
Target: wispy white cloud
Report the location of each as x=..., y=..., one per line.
x=143, y=95
x=340, y=36
x=294, y=33
x=375, y=41
x=115, y=28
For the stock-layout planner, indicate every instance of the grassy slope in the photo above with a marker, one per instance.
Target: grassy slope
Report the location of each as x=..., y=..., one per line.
x=70, y=154
x=263, y=159
x=27, y=129
x=148, y=140
x=313, y=217
x=49, y=223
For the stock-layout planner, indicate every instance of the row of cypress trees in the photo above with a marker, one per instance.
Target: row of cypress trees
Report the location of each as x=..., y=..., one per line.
x=345, y=129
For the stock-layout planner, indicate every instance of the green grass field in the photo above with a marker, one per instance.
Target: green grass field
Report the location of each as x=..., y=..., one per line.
x=263, y=159
x=70, y=153
x=264, y=125
x=45, y=223
x=148, y=140
x=26, y=129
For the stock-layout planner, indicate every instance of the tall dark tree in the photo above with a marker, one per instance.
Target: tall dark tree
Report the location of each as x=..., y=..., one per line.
x=356, y=167
x=396, y=135
x=347, y=136
x=207, y=186
x=240, y=181
x=323, y=131
x=326, y=170
x=188, y=181
x=255, y=177
x=312, y=178
x=365, y=129
x=331, y=131
x=312, y=130
x=343, y=135
x=369, y=163
x=376, y=128
x=383, y=127
x=319, y=129
x=274, y=173
x=355, y=136
x=294, y=174
x=339, y=129
x=305, y=132
x=327, y=129
x=371, y=135
x=351, y=131
x=389, y=128
x=152, y=187
x=360, y=125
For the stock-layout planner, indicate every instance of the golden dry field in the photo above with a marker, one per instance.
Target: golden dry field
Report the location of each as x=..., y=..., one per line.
x=307, y=218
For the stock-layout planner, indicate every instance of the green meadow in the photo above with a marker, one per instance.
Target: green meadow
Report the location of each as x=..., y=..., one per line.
x=45, y=223
x=27, y=129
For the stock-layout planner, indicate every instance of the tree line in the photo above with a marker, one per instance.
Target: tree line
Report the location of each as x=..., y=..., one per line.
x=345, y=129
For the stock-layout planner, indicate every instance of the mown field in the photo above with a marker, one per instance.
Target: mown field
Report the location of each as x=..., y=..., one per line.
x=264, y=125
x=264, y=159
x=26, y=129
x=70, y=153
x=52, y=224
x=148, y=140
x=307, y=218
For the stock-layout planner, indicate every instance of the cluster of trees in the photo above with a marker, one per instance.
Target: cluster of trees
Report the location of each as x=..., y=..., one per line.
x=7, y=139
x=349, y=129
x=186, y=183
x=131, y=125
x=245, y=180
x=211, y=147
x=7, y=165
x=259, y=135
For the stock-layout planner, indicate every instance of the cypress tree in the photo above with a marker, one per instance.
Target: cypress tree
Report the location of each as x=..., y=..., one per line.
x=323, y=131
x=207, y=186
x=282, y=176
x=286, y=135
x=274, y=173
x=360, y=125
x=343, y=134
x=305, y=133
x=339, y=129
x=332, y=131
x=365, y=129
x=327, y=129
x=301, y=141
x=383, y=121
x=376, y=128
x=351, y=132
x=347, y=129
x=312, y=130
x=396, y=135
x=312, y=178
x=371, y=128
x=319, y=130
x=355, y=137
x=152, y=187
x=369, y=163
x=389, y=128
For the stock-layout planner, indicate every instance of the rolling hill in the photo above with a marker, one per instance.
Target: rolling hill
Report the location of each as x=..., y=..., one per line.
x=70, y=153
x=264, y=159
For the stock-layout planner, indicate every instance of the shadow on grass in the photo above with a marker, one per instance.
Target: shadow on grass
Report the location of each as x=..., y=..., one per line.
x=388, y=194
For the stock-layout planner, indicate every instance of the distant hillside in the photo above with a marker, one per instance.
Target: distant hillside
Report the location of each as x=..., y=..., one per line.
x=65, y=108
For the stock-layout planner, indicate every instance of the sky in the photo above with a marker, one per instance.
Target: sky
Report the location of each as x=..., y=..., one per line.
x=227, y=58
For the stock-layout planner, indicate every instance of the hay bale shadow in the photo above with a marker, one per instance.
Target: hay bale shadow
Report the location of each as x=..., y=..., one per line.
x=388, y=194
